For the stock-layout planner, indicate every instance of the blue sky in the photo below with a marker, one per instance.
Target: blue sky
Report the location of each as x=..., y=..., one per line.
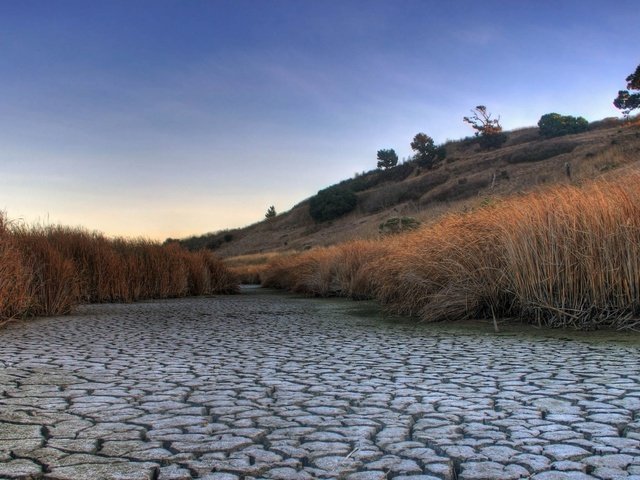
x=169, y=118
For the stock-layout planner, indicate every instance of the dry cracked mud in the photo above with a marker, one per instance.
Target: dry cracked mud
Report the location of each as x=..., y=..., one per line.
x=264, y=385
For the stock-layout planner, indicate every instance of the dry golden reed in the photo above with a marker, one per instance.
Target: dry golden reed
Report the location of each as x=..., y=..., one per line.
x=248, y=274
x=49, y=270
x=329, y=271
x=248, y=268
x=564, y=257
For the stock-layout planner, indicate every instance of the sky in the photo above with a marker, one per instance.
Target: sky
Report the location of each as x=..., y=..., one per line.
x=162, y=118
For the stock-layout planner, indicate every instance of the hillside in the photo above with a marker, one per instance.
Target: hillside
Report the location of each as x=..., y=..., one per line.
x=466, y=178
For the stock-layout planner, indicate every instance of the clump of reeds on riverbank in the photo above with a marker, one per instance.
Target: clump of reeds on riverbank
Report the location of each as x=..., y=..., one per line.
x=341, y=270
x=568, y=256
x=49, y=270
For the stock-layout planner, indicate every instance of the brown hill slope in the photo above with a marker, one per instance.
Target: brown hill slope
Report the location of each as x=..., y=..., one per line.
x=466, y=178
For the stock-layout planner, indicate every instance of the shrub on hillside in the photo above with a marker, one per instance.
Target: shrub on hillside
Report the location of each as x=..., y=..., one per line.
x=488, y=130
x=427, y=154
x=493, y=140
x=556, y=125
x=373, y=178
x=331, y=203
x=387, y=158
x=396, y=225
x=396, y=174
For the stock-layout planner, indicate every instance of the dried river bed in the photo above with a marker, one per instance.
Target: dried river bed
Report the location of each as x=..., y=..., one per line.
x=266, y=385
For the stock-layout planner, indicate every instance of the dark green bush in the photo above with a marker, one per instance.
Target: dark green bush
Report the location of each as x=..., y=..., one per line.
x=425, y=149
x=387, y=158
x=331, y=203
x=397, y=173
x=374, y=178
x=556, y=125
x=492, y=140
x=361, y=182
x=629, y=100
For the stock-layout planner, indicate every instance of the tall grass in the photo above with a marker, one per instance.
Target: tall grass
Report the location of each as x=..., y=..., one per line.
x=565, y=257
x=340, y=270
x=15, y=291
x=49, y=270
x=248, y=268
x=574, y=255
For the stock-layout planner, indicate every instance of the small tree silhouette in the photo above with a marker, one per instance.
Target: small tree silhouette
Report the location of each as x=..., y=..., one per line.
x=482, y=122
x=627, y=101
x=426, y=152
x=271, y=212
x=387, y=158
x=487, y=129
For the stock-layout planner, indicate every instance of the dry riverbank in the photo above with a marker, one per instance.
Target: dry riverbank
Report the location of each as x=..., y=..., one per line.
x=266, y=385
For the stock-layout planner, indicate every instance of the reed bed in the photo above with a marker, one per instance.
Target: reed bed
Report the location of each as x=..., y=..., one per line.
x=340, y=270
x=49, y=270
x=563, y=257
x=248, y=269
x=248, y=274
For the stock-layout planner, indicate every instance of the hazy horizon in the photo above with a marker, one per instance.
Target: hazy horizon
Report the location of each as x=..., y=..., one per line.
x=170, y=118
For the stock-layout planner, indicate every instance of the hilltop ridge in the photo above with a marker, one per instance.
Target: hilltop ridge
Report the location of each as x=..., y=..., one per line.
x=468, y=176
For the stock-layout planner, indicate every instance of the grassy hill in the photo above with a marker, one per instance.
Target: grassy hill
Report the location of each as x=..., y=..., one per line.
x=467, y=178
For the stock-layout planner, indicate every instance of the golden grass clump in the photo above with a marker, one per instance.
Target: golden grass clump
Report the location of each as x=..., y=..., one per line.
x=100, y=269
x=49, y=270
x=53, y=287
x=248, y=274
x=451, y=270
x=248, y=269
x=15, y=291
x=563, y=257
x=573, y=255
x=351, y=267
x=328, y=271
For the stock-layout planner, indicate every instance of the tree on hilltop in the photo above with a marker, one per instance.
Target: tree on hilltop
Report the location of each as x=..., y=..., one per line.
x=271, y=212
x=426, y=152
x=387, y=158
x=555, y=125
x=627, y=101
x=488, y=130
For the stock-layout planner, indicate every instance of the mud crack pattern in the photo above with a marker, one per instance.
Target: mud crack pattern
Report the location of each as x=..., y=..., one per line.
x=272, y=386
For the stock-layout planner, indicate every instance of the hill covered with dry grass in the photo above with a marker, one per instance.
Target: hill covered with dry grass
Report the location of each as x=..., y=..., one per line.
x=469, y=177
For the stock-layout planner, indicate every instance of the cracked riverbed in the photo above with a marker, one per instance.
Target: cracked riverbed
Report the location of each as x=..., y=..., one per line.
x=265, y=385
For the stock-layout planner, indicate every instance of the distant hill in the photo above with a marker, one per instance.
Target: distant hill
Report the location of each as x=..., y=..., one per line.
x=468, y=176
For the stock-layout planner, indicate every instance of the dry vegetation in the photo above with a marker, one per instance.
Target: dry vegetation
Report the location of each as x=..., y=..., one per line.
x=248, y=269
x=49, y=270
x=465, y=179
x=567, y=256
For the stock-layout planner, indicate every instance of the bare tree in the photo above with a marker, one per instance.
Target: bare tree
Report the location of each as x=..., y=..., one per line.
x=487, y=129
